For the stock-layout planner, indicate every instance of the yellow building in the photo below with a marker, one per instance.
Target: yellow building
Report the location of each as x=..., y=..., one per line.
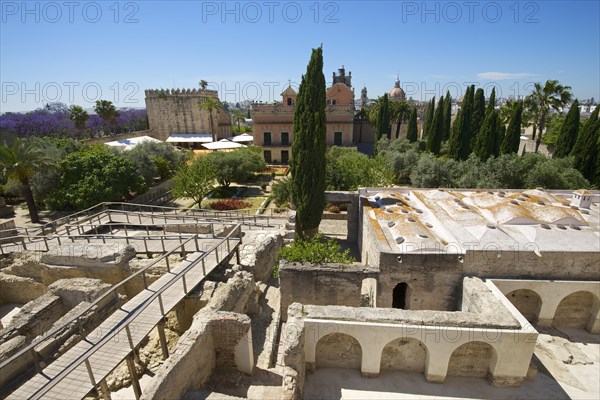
x=274, y=123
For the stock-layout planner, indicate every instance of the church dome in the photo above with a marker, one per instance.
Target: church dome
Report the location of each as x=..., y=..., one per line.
x=397, y=93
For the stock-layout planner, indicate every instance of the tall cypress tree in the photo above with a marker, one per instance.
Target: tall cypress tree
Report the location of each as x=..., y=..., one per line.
x=585, y=150
x=500, y=137
x=429, y=117
x=447, y=115
x=434, y=140
x=308, y=149
x=492, y=104
x=512, y=139
x=479, y=113
x=460, y=141
x=488, y=143
x=412, y=133
x=383, y=119
x=454, y=128
x=568, y=132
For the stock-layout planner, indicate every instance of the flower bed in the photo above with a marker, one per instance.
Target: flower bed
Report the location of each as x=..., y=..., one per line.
x=229, y=204
x=278, y=170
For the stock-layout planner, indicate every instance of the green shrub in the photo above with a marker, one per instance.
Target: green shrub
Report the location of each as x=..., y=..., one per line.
x=281, y=193
x=315, y=250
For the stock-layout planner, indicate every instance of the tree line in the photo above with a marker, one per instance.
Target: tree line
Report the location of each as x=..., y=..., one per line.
x=59, y=120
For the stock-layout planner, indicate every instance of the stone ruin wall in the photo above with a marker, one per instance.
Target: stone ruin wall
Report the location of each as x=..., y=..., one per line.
x=177, y=111
x=330, y=284
x=434, y=280
x=482, y=310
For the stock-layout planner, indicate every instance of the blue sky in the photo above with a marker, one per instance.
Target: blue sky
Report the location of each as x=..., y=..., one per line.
x=81, y=51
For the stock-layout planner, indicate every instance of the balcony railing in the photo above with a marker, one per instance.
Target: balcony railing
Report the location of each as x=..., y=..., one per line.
x=277, y=144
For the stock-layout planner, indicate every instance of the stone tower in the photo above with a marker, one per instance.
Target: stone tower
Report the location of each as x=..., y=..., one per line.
x=342, y=77
x=177, y=111
x=364, y=100
x=288, y=96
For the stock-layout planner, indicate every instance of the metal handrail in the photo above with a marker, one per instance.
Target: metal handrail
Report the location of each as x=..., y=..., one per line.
x=103, y=237
x=125, y=323
x=232, y=214
x=113, y=291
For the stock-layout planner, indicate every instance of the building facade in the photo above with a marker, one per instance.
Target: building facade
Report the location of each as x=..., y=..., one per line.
x=177, y=111
x=274, y=123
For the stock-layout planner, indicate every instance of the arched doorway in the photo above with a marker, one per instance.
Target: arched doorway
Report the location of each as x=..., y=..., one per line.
x=471, y=359
x=404, y=354
x=400, y=296
x=574, y=311
x=338, y=350
x=527, y=302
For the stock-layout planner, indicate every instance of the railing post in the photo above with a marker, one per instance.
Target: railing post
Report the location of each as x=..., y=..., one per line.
x=160, y=304
x=126, y=235
x=137, y=390
x=168, y=263
x=144, y=278
x=90, y=373
x=104, y=390
x=237, y=254
x=163, y=340
x=184, y=284
x=130, y=339
x=228, y=248
x=203, y=265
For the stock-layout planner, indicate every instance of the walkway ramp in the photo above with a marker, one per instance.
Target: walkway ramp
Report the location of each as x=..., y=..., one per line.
x=83, y=367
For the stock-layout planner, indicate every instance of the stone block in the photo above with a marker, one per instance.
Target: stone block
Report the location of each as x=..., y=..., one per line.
x=17, y=289
x=258, y=253
x=89, y=255
x=74, y=291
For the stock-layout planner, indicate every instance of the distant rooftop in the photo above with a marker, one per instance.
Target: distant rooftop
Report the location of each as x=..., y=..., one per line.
x=190, y=138
x=128, y=144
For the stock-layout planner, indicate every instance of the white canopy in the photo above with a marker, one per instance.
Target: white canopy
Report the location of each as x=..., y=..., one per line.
x=222, y=144
x=243, y=138
x=190, y=138
x=128, y=144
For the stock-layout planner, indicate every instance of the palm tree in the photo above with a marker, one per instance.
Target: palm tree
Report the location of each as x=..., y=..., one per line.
x=361, y=116
x=210, y=104
x=372, y=111
x=19, y=162
x=400, y=110
x=551, y=95
x=203, y=84
x=507, y=110
x=79, y=117
x=530, y=114
x=107, y=111
x=239, y=117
